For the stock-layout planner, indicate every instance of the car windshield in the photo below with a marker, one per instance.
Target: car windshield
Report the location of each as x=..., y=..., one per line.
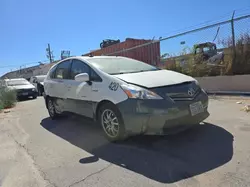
x=205, y=49
x=17, y=82
x=121, y=65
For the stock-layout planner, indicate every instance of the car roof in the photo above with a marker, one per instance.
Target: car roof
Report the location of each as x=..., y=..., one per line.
x=97, y=57
x=86, y=58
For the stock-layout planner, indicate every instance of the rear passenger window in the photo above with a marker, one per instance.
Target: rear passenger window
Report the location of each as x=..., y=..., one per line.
x=62, y=70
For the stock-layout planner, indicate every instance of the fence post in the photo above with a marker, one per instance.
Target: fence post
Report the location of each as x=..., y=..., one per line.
x=233, y=40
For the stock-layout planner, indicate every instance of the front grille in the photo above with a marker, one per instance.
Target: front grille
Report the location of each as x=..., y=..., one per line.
x=183, y=91
x=24, y=90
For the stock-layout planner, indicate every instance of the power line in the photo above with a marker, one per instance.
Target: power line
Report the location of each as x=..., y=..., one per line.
x=9, y=66
x=18, y=65
x=217, y=19
x=184, y=33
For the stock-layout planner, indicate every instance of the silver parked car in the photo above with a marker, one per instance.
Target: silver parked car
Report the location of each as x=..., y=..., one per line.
x=23, y=87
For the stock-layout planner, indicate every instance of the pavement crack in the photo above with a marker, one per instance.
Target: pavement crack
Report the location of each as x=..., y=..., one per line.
x=42, y=173
x=90, y=175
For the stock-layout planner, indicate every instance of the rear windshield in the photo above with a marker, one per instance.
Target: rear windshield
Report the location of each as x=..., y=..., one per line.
x=120, y=65
x=17, y=82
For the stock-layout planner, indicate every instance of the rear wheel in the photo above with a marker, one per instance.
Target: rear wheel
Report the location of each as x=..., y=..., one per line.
x=51, y=109
x=112, y=123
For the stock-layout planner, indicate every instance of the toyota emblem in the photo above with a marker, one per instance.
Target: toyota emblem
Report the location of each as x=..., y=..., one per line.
x=191, y=92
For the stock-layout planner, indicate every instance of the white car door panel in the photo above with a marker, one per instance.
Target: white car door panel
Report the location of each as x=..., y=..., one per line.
x=79, y=93
x=78, y=98
x=58, y=84
x=57, y=88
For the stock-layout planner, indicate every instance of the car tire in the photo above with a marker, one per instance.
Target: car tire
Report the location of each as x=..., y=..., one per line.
x=51, y=109
x=39, y=92
x=34, y=96
x=114, y=128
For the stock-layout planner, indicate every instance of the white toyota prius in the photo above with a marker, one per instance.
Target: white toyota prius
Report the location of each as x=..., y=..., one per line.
x=126, y=96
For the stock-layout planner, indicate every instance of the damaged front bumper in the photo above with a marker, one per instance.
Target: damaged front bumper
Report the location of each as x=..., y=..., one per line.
x=164, y=116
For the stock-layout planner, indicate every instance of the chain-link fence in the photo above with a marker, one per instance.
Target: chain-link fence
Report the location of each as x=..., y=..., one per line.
x=219, y=49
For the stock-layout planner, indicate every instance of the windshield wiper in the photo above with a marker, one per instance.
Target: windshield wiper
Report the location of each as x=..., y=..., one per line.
x=142, y=71
x=116, y=73
x=133, y=71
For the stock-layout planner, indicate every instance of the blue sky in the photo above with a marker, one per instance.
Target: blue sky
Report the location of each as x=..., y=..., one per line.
x=27, y=26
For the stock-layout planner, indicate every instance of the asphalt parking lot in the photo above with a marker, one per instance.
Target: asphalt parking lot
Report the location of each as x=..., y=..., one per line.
x=72, y=151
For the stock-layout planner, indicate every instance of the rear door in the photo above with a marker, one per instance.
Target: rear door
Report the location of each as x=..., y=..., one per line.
x=58, y=87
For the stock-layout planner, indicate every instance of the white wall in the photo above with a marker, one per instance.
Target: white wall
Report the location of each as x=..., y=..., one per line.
x=239, y=83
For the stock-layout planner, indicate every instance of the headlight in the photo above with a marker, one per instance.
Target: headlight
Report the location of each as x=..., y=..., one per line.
x=33, y=89
x=197, y=83
x=137, y=92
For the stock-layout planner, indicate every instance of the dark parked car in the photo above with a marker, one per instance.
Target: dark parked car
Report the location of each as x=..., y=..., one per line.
x=37, y=81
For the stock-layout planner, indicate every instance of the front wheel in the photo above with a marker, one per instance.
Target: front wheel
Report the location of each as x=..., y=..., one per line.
x=111, y=121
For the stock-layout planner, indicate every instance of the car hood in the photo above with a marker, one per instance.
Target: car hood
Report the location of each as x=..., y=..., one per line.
x=151, y=79
x=18, y=87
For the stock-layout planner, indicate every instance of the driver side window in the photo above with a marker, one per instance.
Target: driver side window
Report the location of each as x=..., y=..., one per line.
x=77, y=68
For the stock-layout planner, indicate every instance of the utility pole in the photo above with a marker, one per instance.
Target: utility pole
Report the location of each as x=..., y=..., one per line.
x=233, y=42
x=232, y=26
x=49, y=54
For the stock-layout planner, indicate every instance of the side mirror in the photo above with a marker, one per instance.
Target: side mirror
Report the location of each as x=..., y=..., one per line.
x=82, y=77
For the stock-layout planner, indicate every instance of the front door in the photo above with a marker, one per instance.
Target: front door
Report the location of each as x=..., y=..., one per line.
x=79, y=93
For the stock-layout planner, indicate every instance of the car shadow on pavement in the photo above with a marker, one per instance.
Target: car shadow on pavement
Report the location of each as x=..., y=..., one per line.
x=165, y=159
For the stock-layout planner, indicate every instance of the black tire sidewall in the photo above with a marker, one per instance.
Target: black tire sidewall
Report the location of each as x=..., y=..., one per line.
x=55, y=114
x=121, y=134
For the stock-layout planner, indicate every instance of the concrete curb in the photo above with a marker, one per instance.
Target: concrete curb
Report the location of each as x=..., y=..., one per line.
x=229, y=93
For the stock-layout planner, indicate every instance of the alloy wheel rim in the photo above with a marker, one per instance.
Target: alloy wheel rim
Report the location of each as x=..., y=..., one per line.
x=110, y=123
